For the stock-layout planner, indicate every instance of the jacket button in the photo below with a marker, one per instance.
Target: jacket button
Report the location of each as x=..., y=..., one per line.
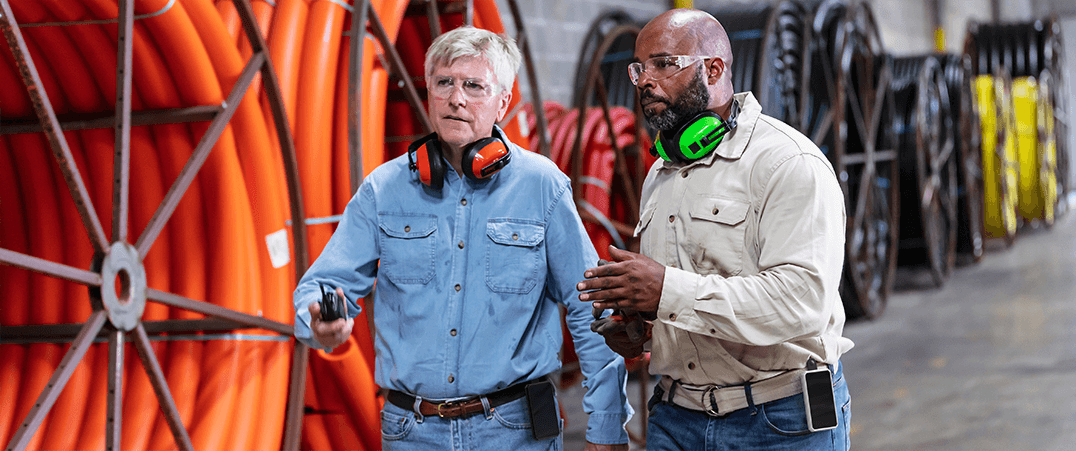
x=452, y=332
x=515, y=237
x=458, y=287
x=451, y=379
x=463, y=201
x=461, y=244
x=407, y=228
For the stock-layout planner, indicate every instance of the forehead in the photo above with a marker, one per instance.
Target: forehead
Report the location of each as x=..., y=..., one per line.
x=465, y=67
x=653, y=42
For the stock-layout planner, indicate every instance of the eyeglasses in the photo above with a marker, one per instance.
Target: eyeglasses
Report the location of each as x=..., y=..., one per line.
x=662, y=67
x=473, y=88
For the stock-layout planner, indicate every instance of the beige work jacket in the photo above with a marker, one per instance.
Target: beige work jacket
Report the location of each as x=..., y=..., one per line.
x=752, y=237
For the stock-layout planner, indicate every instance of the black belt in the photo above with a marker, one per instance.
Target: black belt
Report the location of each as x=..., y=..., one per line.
x=462, y=407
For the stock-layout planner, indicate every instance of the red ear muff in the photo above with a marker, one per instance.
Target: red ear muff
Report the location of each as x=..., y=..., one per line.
x=485, y=157
x=424, y=157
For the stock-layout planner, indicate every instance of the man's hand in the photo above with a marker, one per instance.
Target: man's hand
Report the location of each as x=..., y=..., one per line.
x=632, y=282
x=329, y=334
x=615, y=332
x=593, y=447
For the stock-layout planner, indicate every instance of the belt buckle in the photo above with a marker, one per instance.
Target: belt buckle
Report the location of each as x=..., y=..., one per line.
x=446, y=405
x=712, y=409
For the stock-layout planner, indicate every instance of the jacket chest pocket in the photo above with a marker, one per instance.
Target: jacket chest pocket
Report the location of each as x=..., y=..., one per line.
x=407, y=247
x=514, y=255
x=716, y=235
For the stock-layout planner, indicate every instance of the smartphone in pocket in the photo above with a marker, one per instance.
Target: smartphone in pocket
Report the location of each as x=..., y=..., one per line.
x=819, y=400
x=542, y=406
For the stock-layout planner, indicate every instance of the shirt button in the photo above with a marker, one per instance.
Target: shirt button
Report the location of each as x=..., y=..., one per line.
x=672, y=218
x=672, y=316
x=407, y=228
x=452, y=332
x=690, y=365
x=461, y=244
x=458, y=287
x=463, y=201
x=715, y=211
x=683, y=174
x=451, y=379
x=515, y=237
x=713, y=331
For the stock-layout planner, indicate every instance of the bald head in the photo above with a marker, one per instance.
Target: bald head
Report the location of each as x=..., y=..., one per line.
x=696, y=28
x=669, y=99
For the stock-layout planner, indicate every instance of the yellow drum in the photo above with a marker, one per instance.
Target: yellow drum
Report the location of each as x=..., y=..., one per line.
x=999, y=161
x=1037, y=162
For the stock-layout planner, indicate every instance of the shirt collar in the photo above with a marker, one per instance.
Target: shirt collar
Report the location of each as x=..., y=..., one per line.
x=736, y=141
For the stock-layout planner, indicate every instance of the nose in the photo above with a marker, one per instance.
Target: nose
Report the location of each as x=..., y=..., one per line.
x=456, y=97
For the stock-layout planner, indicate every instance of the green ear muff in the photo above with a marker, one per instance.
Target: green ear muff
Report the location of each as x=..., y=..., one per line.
x=696, y=138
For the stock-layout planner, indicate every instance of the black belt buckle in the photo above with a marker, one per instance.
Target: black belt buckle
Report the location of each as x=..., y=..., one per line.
x=712, y=410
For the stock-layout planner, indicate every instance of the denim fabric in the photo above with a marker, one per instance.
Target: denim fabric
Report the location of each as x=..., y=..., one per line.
x=470, y=282
x=776, y=425
x=507, y=427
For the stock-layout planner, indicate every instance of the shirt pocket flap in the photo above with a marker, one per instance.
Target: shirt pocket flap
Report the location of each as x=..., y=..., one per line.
x=401, y=226
x=719, y=210
x=645, y=217
x=515, y=234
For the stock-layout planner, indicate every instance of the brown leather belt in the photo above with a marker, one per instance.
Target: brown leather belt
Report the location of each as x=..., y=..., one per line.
x=462, y=407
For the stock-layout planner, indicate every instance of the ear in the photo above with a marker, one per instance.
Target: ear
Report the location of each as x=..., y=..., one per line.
x=502, y=104
x=716, y=69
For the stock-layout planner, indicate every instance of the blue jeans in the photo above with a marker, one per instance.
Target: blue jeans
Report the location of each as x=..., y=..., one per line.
x=776, y=425
x=505, y=427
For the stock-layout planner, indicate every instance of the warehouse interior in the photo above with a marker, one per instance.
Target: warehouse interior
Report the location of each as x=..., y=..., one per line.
x=170, y=168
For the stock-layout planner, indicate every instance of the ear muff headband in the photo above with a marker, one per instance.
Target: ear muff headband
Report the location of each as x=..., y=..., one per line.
x=481, y=159
x=696, y=138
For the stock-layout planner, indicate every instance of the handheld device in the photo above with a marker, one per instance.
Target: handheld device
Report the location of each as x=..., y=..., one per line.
x=332, y=305
x=541, y=404
x=818, y=399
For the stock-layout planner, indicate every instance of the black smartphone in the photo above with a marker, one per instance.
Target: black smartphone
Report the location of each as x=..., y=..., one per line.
x=819, y=401
x=333, y=306
x=542, y=405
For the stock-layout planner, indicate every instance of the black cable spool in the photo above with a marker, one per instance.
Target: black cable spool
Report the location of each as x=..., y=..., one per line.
x=613, y=24
x=957, y=72
x=769, y=49
x=848, y=113
x=924, y=125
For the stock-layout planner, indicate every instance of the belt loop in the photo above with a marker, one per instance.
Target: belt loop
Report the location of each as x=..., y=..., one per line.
x=672, y=391
x=486, y=408
x=418, y=409
x=750, y=399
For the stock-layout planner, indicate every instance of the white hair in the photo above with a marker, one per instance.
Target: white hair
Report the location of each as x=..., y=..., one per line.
x=499, y=50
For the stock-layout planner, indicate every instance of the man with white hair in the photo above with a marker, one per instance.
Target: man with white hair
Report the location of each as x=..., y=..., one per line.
x=472, y=258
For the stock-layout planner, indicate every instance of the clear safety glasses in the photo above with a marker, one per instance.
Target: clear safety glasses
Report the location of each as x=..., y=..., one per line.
x=473, y=88
x=662, y=67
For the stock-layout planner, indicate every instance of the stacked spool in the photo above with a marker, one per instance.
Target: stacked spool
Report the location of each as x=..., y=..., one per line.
x=925, y=128
x=1017, y=68
x=212, y=249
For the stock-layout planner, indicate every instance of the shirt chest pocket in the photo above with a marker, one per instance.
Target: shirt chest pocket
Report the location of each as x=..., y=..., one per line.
x=407, y=247
x=716, y=235
x=514, y=254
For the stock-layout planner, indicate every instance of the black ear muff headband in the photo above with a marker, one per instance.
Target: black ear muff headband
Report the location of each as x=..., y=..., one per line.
x=481, y=159
x=696, y=138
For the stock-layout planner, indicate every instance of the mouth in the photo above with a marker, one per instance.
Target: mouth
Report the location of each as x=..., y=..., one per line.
x=456, y=118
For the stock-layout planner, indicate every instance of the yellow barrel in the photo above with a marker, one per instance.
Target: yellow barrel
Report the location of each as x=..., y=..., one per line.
x=1035, y=200
x=1047, y=150
x=999, y=157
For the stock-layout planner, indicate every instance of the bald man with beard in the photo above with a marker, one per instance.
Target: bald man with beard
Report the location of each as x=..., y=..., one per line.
x=735, y=291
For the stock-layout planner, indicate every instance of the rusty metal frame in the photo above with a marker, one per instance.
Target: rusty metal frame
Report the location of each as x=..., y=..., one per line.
x=97, y=324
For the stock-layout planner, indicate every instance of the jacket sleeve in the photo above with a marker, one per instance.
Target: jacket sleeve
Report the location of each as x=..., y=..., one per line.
x=348, y=261
x=570, y=254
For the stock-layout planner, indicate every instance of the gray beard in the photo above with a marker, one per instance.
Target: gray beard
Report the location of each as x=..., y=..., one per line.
x=691, y=102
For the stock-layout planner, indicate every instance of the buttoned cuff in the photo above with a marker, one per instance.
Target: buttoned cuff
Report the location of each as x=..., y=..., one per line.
x=607, y=429
x=679, y=295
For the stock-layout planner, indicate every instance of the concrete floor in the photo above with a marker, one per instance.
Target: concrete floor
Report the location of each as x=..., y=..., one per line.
x=987, y=362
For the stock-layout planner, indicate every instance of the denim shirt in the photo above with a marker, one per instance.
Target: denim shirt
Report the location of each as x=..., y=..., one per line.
x=469, y=283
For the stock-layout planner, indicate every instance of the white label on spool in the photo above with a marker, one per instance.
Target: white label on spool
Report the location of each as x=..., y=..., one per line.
x=277, y=243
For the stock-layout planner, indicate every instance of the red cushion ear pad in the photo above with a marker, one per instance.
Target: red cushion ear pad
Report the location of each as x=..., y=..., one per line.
x=428, y=161
x=485, y=157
